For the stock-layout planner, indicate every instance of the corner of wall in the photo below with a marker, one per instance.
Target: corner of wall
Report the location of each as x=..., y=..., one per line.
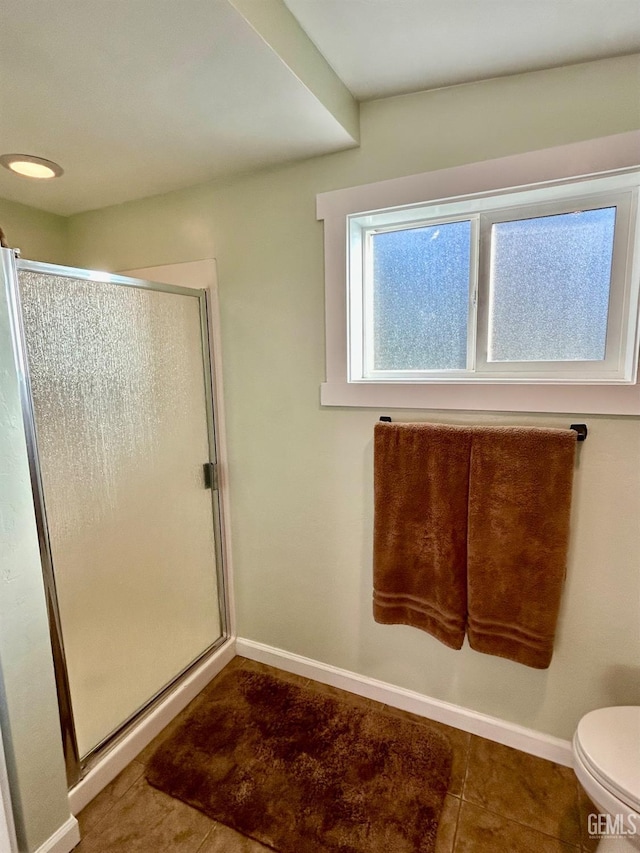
x=39, y=235
x=28, y=705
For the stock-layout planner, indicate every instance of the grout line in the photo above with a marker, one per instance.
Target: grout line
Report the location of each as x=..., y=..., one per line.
x=579, y=808
x=466, y=769
x=455, y=829
x=85, y=833
x=213, y=829
x=462, y=800
x=114, y=801
x=137, y=779
x=577, y=846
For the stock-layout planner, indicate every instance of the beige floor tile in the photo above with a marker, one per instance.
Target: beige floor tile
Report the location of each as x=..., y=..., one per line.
x=447, y=825
x=534, y=792
x=511, y=802
x=147, y=821
x=586, y=808
x=222, y=839
x=480, y=831
x=458, y=739
x=103, y=803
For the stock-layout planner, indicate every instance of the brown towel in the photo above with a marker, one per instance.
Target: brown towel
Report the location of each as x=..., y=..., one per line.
x=421, y=475
x=519, y=506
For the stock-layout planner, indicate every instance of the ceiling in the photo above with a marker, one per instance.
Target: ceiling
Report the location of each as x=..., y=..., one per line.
x=381, y=48
x=139, y=97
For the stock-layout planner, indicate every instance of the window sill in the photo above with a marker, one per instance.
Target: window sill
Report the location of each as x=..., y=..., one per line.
x=486, y=397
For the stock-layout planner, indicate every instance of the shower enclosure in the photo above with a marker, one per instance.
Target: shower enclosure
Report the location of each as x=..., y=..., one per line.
x=121, y=433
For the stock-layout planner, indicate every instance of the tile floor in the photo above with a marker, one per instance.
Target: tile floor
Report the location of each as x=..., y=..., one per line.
x=499, y=801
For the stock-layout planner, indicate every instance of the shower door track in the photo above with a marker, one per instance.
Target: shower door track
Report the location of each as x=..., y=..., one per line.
x=76, y=765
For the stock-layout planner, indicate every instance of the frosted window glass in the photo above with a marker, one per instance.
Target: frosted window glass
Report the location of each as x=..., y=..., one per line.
x=550, y=281
x=421, y=297
x=118, y=390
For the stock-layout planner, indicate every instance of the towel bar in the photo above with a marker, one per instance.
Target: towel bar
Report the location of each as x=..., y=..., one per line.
x=581, y=429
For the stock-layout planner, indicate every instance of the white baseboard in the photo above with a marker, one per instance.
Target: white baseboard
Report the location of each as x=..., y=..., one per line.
x=63, y=840
x=151, y=725
x=493, y=728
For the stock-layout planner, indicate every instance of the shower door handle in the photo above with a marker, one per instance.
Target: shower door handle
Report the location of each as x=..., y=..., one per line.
x=210, y=470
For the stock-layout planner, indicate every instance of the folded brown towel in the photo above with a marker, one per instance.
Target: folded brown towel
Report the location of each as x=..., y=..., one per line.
x=519, y=506
x=421, y=475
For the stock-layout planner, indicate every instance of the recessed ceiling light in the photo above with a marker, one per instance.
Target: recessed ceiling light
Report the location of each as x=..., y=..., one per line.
x=31, y=167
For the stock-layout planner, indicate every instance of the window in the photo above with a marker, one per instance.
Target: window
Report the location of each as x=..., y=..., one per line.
x=527, y=290
x=516, y=287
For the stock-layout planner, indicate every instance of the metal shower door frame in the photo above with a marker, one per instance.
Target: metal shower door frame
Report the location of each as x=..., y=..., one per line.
x=10, y=264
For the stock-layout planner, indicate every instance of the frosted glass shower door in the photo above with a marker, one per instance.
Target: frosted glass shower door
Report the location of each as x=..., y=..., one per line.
x=123, y=425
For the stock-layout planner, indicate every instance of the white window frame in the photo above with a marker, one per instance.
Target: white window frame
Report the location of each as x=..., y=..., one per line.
x=619, y=191
x=600, y=172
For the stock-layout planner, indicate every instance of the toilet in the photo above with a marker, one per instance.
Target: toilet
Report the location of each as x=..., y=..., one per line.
x=606, y=759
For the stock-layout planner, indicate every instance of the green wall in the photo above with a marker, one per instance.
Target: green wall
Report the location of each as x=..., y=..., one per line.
x=301, y=475
x=40, y=236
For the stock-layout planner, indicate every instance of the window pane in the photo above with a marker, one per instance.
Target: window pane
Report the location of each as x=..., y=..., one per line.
x=550, y=281
x=421, y=297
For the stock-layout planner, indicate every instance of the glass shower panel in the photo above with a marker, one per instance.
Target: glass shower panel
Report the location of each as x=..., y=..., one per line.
x=119, y=399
